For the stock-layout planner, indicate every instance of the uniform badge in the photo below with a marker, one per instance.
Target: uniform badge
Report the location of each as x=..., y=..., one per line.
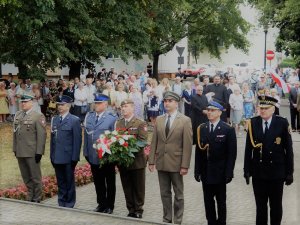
x=43, y=121
x=278, y=140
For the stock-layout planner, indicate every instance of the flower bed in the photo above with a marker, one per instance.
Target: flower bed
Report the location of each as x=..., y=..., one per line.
x=82, y=173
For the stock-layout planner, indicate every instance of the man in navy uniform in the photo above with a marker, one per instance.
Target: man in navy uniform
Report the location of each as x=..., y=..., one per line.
x=215, y=157
x=65, y=147
x=269, y=160
x=96, y=123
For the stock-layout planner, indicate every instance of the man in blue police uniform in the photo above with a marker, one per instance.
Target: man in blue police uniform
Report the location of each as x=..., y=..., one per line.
x=65, y=147
x=96, y=123
x=214, y=161
x=269, y=160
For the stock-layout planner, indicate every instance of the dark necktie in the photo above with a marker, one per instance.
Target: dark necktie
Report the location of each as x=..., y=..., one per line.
x=97, y=119
x=60, y=119
x=211, y=128
x=168, y=126
x=266, y=127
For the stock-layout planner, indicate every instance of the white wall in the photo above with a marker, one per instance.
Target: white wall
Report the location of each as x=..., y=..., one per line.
x=256, y=37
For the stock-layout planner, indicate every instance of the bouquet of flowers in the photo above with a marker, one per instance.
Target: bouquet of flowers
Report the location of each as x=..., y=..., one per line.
x=118, y=147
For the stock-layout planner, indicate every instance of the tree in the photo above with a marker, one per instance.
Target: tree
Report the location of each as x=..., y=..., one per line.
x=44, y=34
x=205, y=23
x=283, y=14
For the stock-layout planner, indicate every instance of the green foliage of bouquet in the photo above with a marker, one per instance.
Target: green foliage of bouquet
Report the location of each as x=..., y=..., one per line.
x=118, y=147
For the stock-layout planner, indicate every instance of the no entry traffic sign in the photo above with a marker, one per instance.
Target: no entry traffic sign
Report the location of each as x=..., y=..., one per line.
x=270, y=55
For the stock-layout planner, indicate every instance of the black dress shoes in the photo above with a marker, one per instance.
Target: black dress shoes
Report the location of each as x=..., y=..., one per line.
x=100, y=209
x=108, y=211
x=131, y=215
x=138, y=215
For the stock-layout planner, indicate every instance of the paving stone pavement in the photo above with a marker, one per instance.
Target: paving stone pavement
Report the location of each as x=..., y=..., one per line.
x=240, y=201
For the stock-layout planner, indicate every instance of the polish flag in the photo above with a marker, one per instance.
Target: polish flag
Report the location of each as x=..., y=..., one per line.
x=281, y=83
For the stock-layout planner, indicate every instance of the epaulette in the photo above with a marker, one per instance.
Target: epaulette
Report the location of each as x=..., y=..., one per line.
x=112, y=114
x=281, y=117
x=202, y=125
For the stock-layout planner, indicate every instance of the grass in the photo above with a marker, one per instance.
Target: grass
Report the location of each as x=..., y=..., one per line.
x=9, y=170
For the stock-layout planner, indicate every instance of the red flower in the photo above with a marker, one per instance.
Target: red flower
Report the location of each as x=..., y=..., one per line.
x=100, y=151
x=125, y=144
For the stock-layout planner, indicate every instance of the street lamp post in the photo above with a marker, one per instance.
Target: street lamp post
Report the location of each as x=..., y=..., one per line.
x=265, y=52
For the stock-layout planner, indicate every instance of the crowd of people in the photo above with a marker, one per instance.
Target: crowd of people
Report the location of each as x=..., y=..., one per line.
x=147, y=93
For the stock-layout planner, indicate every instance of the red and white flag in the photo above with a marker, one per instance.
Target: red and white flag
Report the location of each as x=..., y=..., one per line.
x=281, y=83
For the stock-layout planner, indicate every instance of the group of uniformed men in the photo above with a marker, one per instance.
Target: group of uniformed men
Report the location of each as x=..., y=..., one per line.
x=268, y=156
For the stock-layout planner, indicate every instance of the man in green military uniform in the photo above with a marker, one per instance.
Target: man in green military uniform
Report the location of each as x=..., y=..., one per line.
x=133, y=177
x=29, y=145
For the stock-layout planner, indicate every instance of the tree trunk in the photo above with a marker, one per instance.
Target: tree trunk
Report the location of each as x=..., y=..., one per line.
x=155, y=65
x=74, y=71
x=23, y=71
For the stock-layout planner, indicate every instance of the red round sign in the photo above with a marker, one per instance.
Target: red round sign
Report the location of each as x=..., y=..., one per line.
x=270, y=55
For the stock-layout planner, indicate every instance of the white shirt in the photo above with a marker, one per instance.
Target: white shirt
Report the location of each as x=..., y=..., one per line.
x=64, y=116
x=215, y=125
x=172, y=118
x=129, y=119
x=177, y=88
x=269, y=123
x=80, y=95
x=100, y=115
x=90, y=91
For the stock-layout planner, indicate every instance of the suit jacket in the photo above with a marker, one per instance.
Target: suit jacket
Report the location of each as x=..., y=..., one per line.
x=220, y=91
x=66, y=138
x=293, y=98
x=298, y=102
x=29, y=134
x=137, y=127
x=217, y=163
x=276, y=160
x=93, y=131
x=173, y=152
x=199, y=103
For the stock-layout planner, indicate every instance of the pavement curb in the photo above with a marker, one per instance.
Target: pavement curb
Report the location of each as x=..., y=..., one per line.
x=81, y=211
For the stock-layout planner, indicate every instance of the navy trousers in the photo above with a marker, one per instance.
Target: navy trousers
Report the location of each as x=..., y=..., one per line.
x=66, y=184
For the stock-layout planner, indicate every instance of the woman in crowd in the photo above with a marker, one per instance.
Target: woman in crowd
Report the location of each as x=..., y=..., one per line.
x=152, y=103
x=248, y=101
x=12, y=100
x=137, y=98
x=21, y=91
x=80, y=102
x=274, y=94
x=187, y=96
x=161, y=89
x=35, y=91
x=121, y=95
x=111, y=93
x=236, y=105
x=3, y=103
x=53, y=93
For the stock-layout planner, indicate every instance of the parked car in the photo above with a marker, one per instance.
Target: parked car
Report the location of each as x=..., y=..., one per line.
x=199, y=70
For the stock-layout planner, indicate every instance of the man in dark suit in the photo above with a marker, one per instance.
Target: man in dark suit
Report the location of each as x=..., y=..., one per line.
x=133, y=177
x=220, y=94
x=104, y=177
x=295, y=118
x=269, y=160
x=214, y=162
x=65, y=147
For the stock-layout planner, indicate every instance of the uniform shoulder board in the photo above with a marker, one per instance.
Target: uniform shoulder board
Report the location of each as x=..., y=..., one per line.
x=202, y=125
x=112, y=114
x=76, y=117
x=281, y=117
